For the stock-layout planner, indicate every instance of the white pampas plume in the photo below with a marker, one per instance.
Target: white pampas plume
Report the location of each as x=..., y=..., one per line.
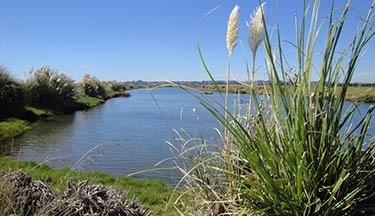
x=232, y=31
x=256, y=28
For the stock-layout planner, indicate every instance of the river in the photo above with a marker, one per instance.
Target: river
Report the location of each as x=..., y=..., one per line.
x=122, y=136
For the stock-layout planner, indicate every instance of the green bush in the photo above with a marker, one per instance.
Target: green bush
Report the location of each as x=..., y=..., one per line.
x=12, y=95
x=113, y=87
x=117, y=86
x=49, y=89
x=92, y=87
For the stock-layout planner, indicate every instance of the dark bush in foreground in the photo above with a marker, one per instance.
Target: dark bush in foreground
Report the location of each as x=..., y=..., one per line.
x=12, y=96
x=48, y=89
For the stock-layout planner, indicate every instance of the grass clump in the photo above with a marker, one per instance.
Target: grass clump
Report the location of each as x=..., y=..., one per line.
x=49, y=90
x=12, y=127
x=296, y=152
x=92, y=87
x=152, y=194
x=114, y=86
x=26, y=196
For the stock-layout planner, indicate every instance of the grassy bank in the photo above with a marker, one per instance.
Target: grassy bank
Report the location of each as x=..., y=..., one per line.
x=90, y=101
x=19, y=122
x=12, y=127
x=152, y=194
x=360, y=94
x=47, y=92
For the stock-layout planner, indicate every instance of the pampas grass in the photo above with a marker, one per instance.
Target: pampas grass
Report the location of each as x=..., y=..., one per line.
x=232, y=34
x=256, y=34
x=293, y=154
x=232, y=31
x=256, y=28
x=49, y=89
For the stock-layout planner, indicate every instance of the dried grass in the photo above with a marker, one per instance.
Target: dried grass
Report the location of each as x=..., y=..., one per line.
x=24, y=196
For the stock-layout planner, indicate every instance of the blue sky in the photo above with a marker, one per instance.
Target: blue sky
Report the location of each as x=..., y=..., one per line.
x=145, y=40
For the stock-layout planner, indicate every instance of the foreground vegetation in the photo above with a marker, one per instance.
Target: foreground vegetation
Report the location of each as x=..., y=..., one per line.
x=294, y=150
x=152, y=194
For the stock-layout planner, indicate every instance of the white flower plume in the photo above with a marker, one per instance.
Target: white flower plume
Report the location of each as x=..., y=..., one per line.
x=256, y=28
x=232, y=31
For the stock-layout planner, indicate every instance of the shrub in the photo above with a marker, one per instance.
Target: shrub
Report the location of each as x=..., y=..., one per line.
x=49, y=89
x=92, y=87
x=12, y=95
x=117, y=86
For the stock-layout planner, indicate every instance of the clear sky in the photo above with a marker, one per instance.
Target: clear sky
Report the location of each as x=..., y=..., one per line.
x=145, y=39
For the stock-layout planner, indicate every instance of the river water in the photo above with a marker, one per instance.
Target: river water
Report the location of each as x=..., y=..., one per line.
x=122, y=136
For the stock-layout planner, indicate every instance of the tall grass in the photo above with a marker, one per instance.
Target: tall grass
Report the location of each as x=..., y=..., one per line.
x=49, y=89
x=114, y=86
x=92, y=87
x=297, y=152
x=12, y=94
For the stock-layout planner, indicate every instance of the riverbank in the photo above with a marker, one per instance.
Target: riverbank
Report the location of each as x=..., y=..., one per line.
x=13, y=127
x=19, y=122
x=359, y=94
x=152, y=194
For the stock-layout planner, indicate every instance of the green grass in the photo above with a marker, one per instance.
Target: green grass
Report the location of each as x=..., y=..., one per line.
x=152, y=194
x=90, y=101
x=113, y=94
x=12, y=127
x=39, y=112
x=93, y=101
